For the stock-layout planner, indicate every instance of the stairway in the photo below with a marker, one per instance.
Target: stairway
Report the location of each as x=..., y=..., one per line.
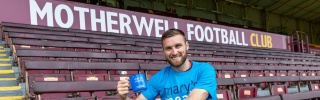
x=10, y=88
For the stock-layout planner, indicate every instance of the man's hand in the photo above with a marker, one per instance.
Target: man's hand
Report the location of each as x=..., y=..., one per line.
x=123, y=87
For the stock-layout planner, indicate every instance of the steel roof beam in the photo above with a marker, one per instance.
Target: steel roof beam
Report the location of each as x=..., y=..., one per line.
x=285, y=13
x=285, y=3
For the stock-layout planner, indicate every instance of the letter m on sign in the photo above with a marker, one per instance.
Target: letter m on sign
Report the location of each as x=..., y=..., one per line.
x=46, y=11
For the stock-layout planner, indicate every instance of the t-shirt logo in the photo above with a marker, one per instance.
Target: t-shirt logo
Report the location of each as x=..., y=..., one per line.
x=180, y=92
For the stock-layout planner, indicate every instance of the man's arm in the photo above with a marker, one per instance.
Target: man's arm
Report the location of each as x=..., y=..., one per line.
x=141, y=97
x=206, y=85
x=198, y=94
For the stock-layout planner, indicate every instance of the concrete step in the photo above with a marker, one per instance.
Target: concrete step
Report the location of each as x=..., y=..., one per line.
x=5, y=65
x=23, y=88
x=2, y=43
x=2, y=50
x=16, y=72
x=5, y=68
x=10, y=71
x=4, y=55
x=11, y=93
x=9, y=83
x=10, y=88
x=8, y=79
x=12, y=97
x=6, y=60
x=5, y=51
x=7, y=76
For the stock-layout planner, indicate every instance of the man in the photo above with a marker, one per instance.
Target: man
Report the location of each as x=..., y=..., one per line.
x=182, y=80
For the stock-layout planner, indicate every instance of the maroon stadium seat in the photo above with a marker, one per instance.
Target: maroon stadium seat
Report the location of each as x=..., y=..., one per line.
x=151, y=69
x=225, y=86
x=91, y=77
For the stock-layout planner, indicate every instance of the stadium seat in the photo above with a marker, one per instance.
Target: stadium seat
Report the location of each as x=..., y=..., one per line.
x=247, y=92
x=48, y=77
x=140, y=58
x=51, y=44
x=215, y=61
x=301, y=95
x=225, y=85
x=91, y=77
x=149, y=44
x=276, y=97
x=151, y=68
x=277, y=88
x=125, y=49
x=69, y=89
x=47, y=37
x=244, y=89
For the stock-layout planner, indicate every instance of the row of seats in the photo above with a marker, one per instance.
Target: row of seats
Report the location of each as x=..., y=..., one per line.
x=122, y=46
x=100, y=45
x=258, y=85
x=84, y=80
x=61, y=55
x=94, y=38
x=80, y=33
x=230, y=71
x=75, y=36
x=66, y=56
x=223, y=71
x=268, y=88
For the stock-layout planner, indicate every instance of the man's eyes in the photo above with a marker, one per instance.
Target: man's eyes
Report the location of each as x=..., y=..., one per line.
x=169, y=48
x=178, y=46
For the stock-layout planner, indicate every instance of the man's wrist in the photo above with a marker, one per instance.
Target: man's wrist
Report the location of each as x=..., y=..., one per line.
x=124, y=98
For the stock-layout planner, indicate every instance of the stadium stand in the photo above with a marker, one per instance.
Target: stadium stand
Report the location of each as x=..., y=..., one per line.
x=151, y=11
x=87, y=64
x=314, y=49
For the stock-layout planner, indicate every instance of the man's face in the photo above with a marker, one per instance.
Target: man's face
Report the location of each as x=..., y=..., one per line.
x=175, y=50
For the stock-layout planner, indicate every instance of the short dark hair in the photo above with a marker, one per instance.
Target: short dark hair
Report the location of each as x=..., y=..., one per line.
x=172, y=32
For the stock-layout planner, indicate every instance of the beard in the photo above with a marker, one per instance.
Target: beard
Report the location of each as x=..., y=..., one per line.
x=175, y=63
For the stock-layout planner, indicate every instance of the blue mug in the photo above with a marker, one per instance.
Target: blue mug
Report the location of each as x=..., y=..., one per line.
x=138, y=83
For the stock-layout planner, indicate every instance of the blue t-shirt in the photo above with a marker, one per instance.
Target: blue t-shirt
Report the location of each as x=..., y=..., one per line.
x=173, y=85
